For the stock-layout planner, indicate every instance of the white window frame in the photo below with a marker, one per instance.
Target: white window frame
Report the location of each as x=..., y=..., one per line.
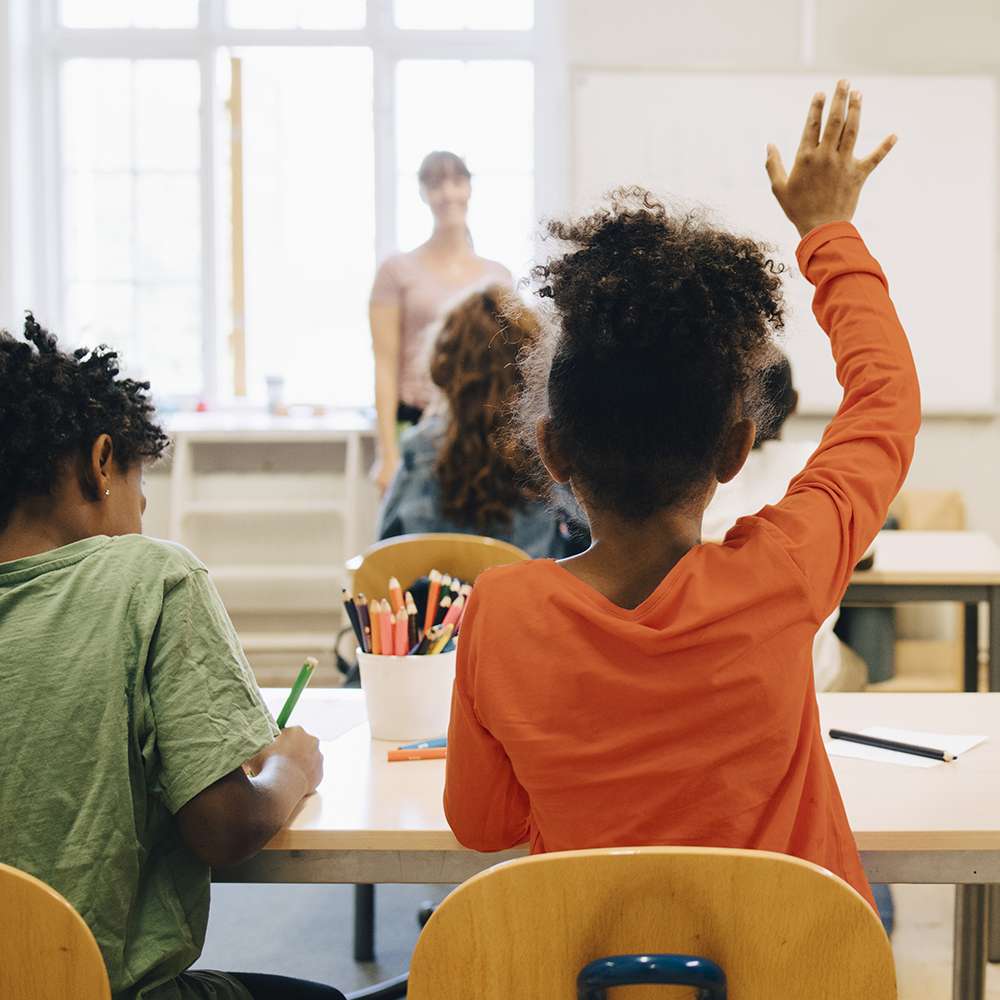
x=51, y=44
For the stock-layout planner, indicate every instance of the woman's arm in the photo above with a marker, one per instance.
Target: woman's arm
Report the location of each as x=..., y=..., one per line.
x=386, y=335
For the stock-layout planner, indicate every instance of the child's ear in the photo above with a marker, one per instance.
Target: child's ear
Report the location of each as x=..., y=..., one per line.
x=554, y=463
x=735, y=447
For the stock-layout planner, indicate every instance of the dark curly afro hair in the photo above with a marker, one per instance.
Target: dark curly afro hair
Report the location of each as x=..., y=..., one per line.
x=54, y=405
x=662, y=324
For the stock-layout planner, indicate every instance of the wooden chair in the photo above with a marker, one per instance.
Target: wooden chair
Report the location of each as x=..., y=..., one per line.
x=408, y=557
x=46, y=950
x=775, y=926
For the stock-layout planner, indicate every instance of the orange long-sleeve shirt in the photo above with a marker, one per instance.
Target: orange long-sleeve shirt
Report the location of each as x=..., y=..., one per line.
x=692, y=719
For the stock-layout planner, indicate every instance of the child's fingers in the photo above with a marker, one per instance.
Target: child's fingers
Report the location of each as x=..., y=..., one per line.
x=775, y=168
x=814, y=118
x=850, y=134
x=835, y=120
x=870, y=162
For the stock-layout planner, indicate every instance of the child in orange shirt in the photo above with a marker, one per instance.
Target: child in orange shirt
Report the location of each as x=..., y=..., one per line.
x=656, y=690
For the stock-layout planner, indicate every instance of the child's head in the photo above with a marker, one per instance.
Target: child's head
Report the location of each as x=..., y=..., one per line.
x=643, y=387
x=778, y=399
x=69, y=423
x=474, y=361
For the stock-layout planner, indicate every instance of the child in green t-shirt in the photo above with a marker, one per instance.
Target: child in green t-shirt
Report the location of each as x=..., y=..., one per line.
x=127, y=707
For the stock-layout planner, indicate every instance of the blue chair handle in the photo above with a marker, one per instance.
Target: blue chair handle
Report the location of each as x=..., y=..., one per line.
x=636, y=970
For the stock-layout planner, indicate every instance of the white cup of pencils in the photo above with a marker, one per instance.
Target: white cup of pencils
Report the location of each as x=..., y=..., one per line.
x=407, y=657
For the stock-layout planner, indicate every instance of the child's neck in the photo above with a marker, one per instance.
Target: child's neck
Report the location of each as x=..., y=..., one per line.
x=627, y=560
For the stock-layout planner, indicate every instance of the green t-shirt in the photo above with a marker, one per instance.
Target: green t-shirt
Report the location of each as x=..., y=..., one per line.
x=123, y=693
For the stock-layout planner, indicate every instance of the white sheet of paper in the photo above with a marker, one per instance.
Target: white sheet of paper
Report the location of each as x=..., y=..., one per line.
x=955, y=743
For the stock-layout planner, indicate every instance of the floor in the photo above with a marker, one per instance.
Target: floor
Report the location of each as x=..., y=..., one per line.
x=306, y=931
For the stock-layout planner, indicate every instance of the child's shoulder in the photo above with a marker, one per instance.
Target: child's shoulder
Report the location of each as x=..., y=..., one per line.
x=153, y=557
x=513, y=577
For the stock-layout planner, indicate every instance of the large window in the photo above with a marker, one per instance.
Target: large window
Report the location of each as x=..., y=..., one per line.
x=224, y=175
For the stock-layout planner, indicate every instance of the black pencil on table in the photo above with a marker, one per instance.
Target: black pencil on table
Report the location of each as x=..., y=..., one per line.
x=884, y=744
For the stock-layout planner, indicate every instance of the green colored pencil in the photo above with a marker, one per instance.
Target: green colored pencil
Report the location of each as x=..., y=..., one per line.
x=305, y=674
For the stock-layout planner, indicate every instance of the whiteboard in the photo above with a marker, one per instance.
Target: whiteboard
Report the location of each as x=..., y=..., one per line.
x=928, y=213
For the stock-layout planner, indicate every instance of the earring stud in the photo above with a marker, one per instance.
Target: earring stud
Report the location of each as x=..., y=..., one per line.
x=107, y=493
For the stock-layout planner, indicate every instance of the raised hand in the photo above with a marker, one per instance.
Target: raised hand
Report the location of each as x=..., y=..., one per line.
x=826, y=179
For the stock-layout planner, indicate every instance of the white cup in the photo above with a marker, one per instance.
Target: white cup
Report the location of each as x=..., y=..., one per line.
x=408, y=698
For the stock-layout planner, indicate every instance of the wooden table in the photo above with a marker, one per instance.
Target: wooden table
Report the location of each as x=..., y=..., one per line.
x=373, y=822
x=959, y=566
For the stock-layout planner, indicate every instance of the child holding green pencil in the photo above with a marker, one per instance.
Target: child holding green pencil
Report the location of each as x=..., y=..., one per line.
x=127, y=707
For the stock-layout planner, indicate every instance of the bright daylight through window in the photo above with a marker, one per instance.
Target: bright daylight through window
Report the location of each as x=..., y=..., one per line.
x=227, y=186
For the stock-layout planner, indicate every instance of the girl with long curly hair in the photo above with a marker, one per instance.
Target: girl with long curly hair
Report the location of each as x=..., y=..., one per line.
x=461, y=469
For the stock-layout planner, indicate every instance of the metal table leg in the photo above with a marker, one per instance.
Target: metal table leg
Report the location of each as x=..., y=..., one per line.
x=971, y=648
x=993, y=677
x=364, y=923
x=993, y=896
x=969, y=971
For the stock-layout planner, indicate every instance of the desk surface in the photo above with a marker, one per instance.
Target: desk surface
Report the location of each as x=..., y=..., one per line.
x=367, y=804
x=933, y=558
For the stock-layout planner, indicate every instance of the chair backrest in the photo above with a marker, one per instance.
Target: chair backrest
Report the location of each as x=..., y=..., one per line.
x=777, y=926
x=46, y=950
x=409, y=557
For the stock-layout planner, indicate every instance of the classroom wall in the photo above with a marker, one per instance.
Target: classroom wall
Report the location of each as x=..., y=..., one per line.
x=843, y=37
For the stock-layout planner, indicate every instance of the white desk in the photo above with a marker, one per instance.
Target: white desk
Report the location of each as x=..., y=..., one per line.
x=373, y=822
x=960, y=566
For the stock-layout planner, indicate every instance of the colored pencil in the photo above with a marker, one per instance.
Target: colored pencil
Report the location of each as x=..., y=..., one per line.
x=399, y=644
x=375, y=613
x=366, y=624
x=385, y=625
x=442, y=610
x=431, y=753
x=395, y=595
x=883, y=744
x=438, y=741
x=432, y=599
x=412, y=631
x=441, y=641
x=420, y=648
x=352, y=615
x=454, y=613
x=305, y=674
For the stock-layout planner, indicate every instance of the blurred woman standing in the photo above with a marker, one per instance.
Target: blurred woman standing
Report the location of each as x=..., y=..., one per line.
x=411, y=290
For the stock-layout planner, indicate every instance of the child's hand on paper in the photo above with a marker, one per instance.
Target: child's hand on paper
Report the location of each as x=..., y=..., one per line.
x=826, y=179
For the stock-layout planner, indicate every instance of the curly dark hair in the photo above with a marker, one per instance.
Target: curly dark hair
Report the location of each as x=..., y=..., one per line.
x=662, y=323
x=474, y=362
x=778, y=399
x=54, y=405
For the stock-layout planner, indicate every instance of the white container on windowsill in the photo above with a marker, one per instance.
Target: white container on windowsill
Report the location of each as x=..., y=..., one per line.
x=408, y=698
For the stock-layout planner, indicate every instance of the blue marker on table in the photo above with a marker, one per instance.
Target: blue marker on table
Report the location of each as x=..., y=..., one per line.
x=441, y=741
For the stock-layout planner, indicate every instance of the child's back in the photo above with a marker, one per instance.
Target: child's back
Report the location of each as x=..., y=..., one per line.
x=655, y=690
x=135, y=749
x=125, y=694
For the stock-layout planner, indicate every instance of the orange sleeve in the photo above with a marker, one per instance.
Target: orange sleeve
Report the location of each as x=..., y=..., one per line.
x=837, y=504
x=486, y=807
